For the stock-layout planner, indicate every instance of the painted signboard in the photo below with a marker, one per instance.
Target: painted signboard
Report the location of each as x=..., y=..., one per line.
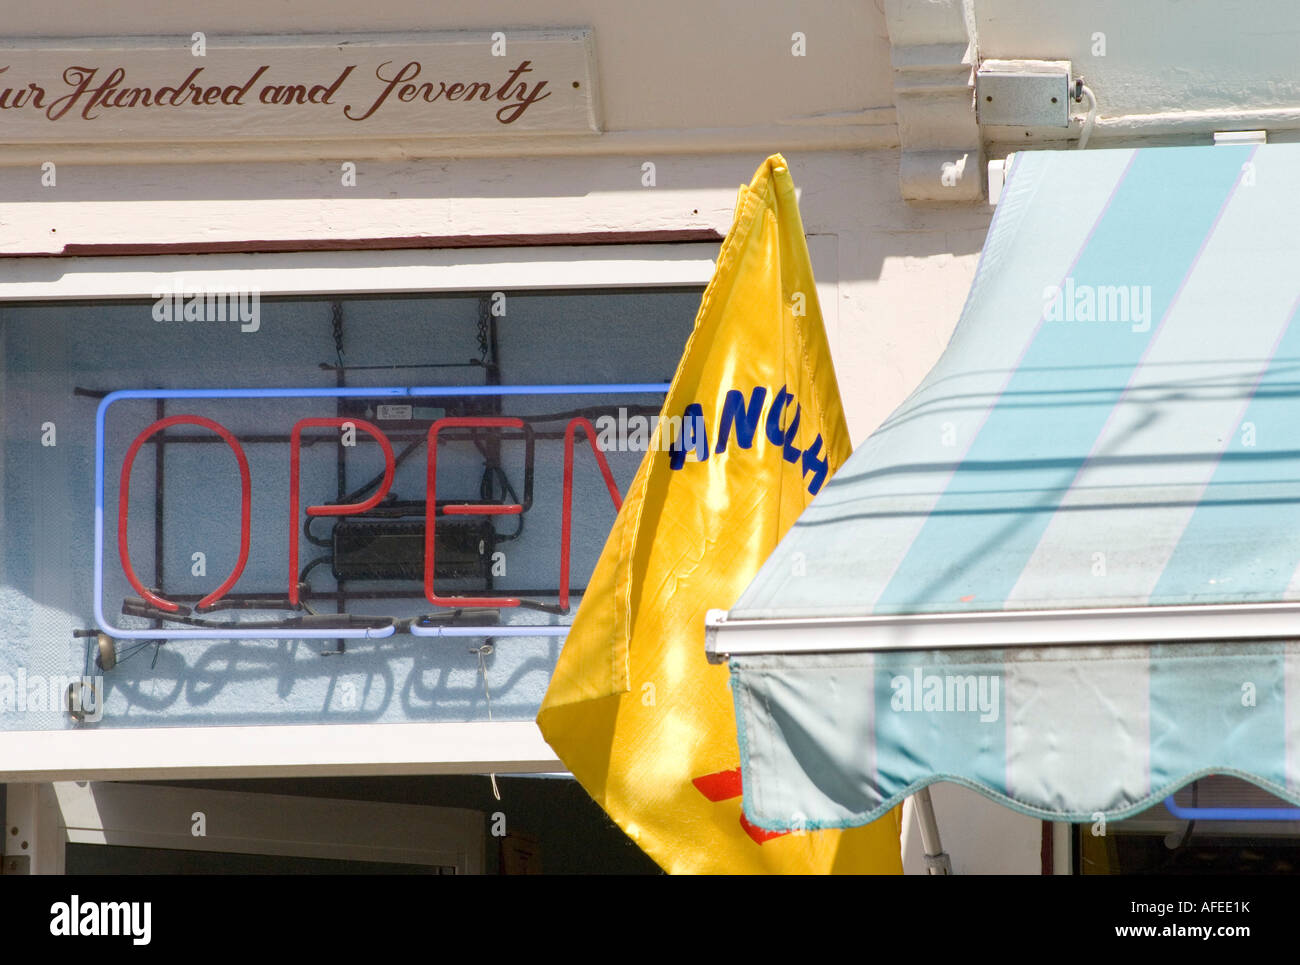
x=202, y=88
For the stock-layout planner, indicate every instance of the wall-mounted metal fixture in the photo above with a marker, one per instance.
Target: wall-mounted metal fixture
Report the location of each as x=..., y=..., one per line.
x=1023, y=93
x=1240, y=137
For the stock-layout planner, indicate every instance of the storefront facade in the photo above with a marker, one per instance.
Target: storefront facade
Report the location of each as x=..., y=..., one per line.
x=536, y=201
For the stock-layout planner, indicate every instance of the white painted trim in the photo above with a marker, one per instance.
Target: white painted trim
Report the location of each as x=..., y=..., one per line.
x=997, y=179
x=281, y=750
x=175, y=753
x=1001, y=628
x=33, y=835
x=873, y=128
x=1124, y=129
x=335, y=272
x=1062, y=851
x=824, y=253
x=382, y=38
x=143, y=816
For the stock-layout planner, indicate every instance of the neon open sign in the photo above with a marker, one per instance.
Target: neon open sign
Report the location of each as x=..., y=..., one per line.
x=300, y=628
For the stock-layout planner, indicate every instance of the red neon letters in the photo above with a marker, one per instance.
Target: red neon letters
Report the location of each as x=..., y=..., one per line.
x=430, y=502
x=566, y=519
x=337, y=509
x=124, y=501
x=432, y=510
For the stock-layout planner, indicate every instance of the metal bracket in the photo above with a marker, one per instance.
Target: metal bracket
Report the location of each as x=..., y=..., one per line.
x=1023, y=93
x=34, y=837
x=16, y=864
x=938, y=864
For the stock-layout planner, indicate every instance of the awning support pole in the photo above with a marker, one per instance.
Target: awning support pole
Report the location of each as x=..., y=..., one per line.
x=937, y=861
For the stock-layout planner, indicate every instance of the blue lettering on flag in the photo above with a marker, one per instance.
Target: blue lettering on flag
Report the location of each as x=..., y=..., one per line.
x=816, y=466
x=746, y=422
x=695, y=435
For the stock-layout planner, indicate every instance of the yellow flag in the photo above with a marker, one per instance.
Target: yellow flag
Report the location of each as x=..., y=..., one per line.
x=634, y=709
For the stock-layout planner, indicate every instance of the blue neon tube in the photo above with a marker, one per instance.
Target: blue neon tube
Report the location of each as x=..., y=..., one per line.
x=234, y=633
x=505, y=630
x=1230, y=814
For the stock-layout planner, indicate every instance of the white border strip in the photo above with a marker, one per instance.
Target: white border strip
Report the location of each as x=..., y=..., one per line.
x=292, y=750
x=1003, y=628
x=248, y=822
x=284, y=750
x=360, y=272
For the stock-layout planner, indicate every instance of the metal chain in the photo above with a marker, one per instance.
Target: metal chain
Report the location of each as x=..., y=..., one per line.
x=337, y=308
x=484, y=318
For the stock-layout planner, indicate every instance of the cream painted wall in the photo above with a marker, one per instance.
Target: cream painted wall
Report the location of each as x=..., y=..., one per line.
x=1152, y=57
x=710, y=74
x=704, y=89
x=980, y=836
x=681, y=78
x=897, y=274
x=902, y=271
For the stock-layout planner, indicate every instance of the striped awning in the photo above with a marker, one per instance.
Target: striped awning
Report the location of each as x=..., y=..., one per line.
x=1054, y=573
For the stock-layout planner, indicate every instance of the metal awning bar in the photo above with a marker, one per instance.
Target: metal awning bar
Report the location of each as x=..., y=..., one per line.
x=726, y=637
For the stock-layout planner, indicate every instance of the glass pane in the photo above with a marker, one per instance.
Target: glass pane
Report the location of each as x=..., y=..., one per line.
x=219, y=613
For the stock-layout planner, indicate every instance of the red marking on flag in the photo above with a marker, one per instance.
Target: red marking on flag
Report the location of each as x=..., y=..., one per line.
x=968, y=598
x=721, y=786
x=757, y=833
x=725, y=785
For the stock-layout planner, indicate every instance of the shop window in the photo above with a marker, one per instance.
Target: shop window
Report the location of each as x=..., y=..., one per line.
x=1158, y=842
x=223, y=585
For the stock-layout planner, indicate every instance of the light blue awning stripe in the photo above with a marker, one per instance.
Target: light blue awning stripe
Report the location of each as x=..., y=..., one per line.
x=906, y=463
x=1146, y=238
x=938, y=715
x=1088, y=465
x=1182, y=408
x=1218, y=557
x=1217, y=706
x=1082, y=743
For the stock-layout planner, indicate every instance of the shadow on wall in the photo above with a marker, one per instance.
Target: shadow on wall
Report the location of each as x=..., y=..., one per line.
x=843, y=193
x=47, y=497
x=412, y=680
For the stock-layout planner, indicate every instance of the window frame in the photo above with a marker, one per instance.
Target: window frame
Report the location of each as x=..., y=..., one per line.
x=302, y=750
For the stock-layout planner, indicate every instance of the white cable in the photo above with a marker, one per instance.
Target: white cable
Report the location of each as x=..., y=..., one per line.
x=1091, y=119
x=482, y=652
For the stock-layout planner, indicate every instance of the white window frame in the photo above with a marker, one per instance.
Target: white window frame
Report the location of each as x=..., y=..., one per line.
x=48, y=817
x=546, y=267
x=308, y=750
